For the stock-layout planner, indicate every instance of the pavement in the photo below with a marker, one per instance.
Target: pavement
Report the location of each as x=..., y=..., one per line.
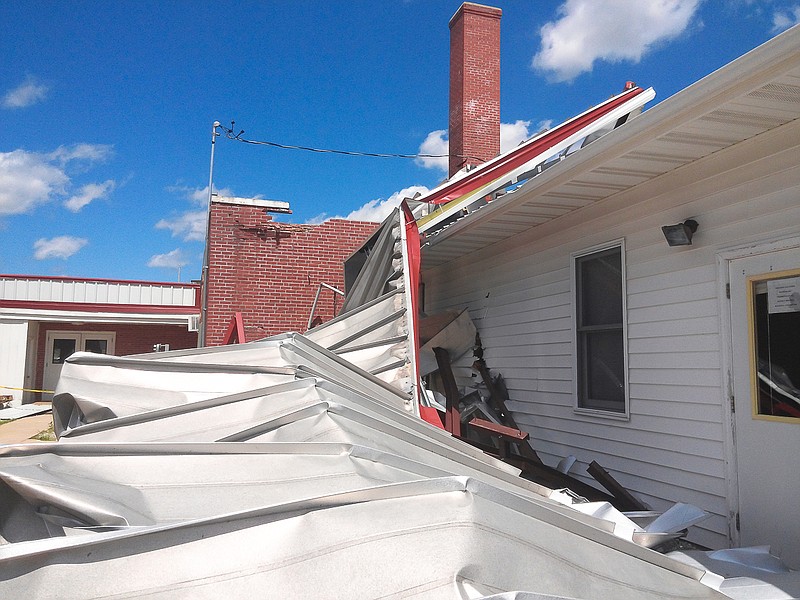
x=19, y=431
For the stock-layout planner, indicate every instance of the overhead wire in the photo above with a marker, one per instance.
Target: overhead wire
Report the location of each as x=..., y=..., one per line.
x=238, y=138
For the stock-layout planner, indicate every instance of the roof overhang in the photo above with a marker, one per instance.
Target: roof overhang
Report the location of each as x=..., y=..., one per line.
x=757, y=93
x=84, y=316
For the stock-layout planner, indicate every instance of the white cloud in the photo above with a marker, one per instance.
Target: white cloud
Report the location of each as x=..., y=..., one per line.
x=190, y=225
x=377, y=210
x=317, y=219
x=28, y=92
x=62, y=246
x=513, y=134
x=197, y=195
x=81, y=152
x=610, y=30
x=26, y=180
x=436, y=145
x=171, y=260
x=786, y=18
x=89, y=193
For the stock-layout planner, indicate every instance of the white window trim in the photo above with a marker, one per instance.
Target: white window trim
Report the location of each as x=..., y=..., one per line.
x=605, y=414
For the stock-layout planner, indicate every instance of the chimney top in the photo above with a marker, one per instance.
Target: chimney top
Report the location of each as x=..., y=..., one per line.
x=478, y=9
x=474, y=123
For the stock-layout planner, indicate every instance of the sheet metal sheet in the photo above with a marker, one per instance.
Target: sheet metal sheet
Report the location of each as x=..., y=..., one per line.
x=377, y=543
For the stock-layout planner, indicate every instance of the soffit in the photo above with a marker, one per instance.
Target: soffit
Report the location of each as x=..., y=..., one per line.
x=667, y=137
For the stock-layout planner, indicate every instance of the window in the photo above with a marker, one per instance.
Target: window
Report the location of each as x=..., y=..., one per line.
x=62, y=350
x=599, y=285
x=96, y=346
x=775, y=302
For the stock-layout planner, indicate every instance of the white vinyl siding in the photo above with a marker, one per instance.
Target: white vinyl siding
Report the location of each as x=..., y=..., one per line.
x=673, y=448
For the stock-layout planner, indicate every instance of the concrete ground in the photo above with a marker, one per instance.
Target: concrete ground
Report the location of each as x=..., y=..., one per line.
x=22, y=430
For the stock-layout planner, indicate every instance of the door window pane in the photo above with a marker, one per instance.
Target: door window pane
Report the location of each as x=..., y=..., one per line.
x=96, y=346
x=62, y=349
x=776, y=304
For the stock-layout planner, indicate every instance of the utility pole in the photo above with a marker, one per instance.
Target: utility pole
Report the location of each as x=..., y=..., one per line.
x=201, y=336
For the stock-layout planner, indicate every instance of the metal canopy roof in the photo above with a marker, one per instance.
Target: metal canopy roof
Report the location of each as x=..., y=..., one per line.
x=756, y=93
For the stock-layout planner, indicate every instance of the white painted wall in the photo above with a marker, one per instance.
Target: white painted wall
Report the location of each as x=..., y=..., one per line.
x=13, y=342
x=676, y=444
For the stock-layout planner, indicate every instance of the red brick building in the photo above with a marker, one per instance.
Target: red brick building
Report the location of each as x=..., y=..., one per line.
x=270, y=272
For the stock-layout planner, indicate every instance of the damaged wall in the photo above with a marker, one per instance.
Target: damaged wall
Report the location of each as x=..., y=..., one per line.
x=270, y=271
x=519, y=292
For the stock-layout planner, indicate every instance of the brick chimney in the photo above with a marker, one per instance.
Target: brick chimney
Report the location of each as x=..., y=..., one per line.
x=474, y=85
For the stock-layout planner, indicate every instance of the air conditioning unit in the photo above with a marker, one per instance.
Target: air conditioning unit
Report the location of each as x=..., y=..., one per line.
x=194, y=323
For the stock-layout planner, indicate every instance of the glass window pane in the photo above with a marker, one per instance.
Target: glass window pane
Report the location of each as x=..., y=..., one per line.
x=777, y=322
x=62, y=349
x=96, y=346
x=600, y=285
x=604, y=371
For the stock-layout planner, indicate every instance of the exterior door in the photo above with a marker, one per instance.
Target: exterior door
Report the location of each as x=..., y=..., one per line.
x=60, y=345
x=765, y=336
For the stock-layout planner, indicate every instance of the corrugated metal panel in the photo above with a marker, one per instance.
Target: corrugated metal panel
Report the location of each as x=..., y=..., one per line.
x=37, y=289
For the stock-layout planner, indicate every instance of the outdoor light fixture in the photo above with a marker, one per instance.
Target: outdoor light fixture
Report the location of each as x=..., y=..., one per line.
x=680, y=234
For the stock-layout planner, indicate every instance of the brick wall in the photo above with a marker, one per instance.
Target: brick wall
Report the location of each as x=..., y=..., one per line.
x=474, y=85
x=131, y=338
x=270, y=271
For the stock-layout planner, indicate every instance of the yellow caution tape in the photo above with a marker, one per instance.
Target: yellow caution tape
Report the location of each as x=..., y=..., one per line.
x=5, y=387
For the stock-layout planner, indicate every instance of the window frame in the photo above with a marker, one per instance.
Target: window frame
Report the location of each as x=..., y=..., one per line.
x=577, y=365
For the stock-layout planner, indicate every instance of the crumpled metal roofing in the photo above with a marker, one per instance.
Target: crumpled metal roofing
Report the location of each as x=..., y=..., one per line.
x=292, y=467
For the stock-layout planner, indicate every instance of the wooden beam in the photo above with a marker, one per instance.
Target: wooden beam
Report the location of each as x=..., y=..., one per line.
x=452, y=416
x=497, y=399
x=514, y=435
x=627, y=500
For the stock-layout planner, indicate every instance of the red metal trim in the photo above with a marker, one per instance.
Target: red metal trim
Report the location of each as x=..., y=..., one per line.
x=94, y=307
x=414, y=260
x=235, y=333
x=501, y=430
x=494, y=169
x=99, y=279
x=431, y=415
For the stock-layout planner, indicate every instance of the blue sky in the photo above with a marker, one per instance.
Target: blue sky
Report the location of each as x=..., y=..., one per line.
x=107, y=107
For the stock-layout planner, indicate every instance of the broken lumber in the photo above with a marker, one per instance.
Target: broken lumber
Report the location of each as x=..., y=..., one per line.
x=497, y=400
x=503, y=434
x=625, y=500
x=452, y=417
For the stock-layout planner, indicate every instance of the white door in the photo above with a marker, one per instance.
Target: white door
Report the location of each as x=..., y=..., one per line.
x=60, y=345
x=765, y=335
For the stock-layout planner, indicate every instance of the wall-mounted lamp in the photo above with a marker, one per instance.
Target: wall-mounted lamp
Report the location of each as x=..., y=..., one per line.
x=680, y=234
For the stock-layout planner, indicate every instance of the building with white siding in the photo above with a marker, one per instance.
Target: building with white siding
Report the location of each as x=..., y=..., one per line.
x=45, y=319
x=675, y=367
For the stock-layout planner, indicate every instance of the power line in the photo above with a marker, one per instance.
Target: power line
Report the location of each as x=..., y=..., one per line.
x=238, y=138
